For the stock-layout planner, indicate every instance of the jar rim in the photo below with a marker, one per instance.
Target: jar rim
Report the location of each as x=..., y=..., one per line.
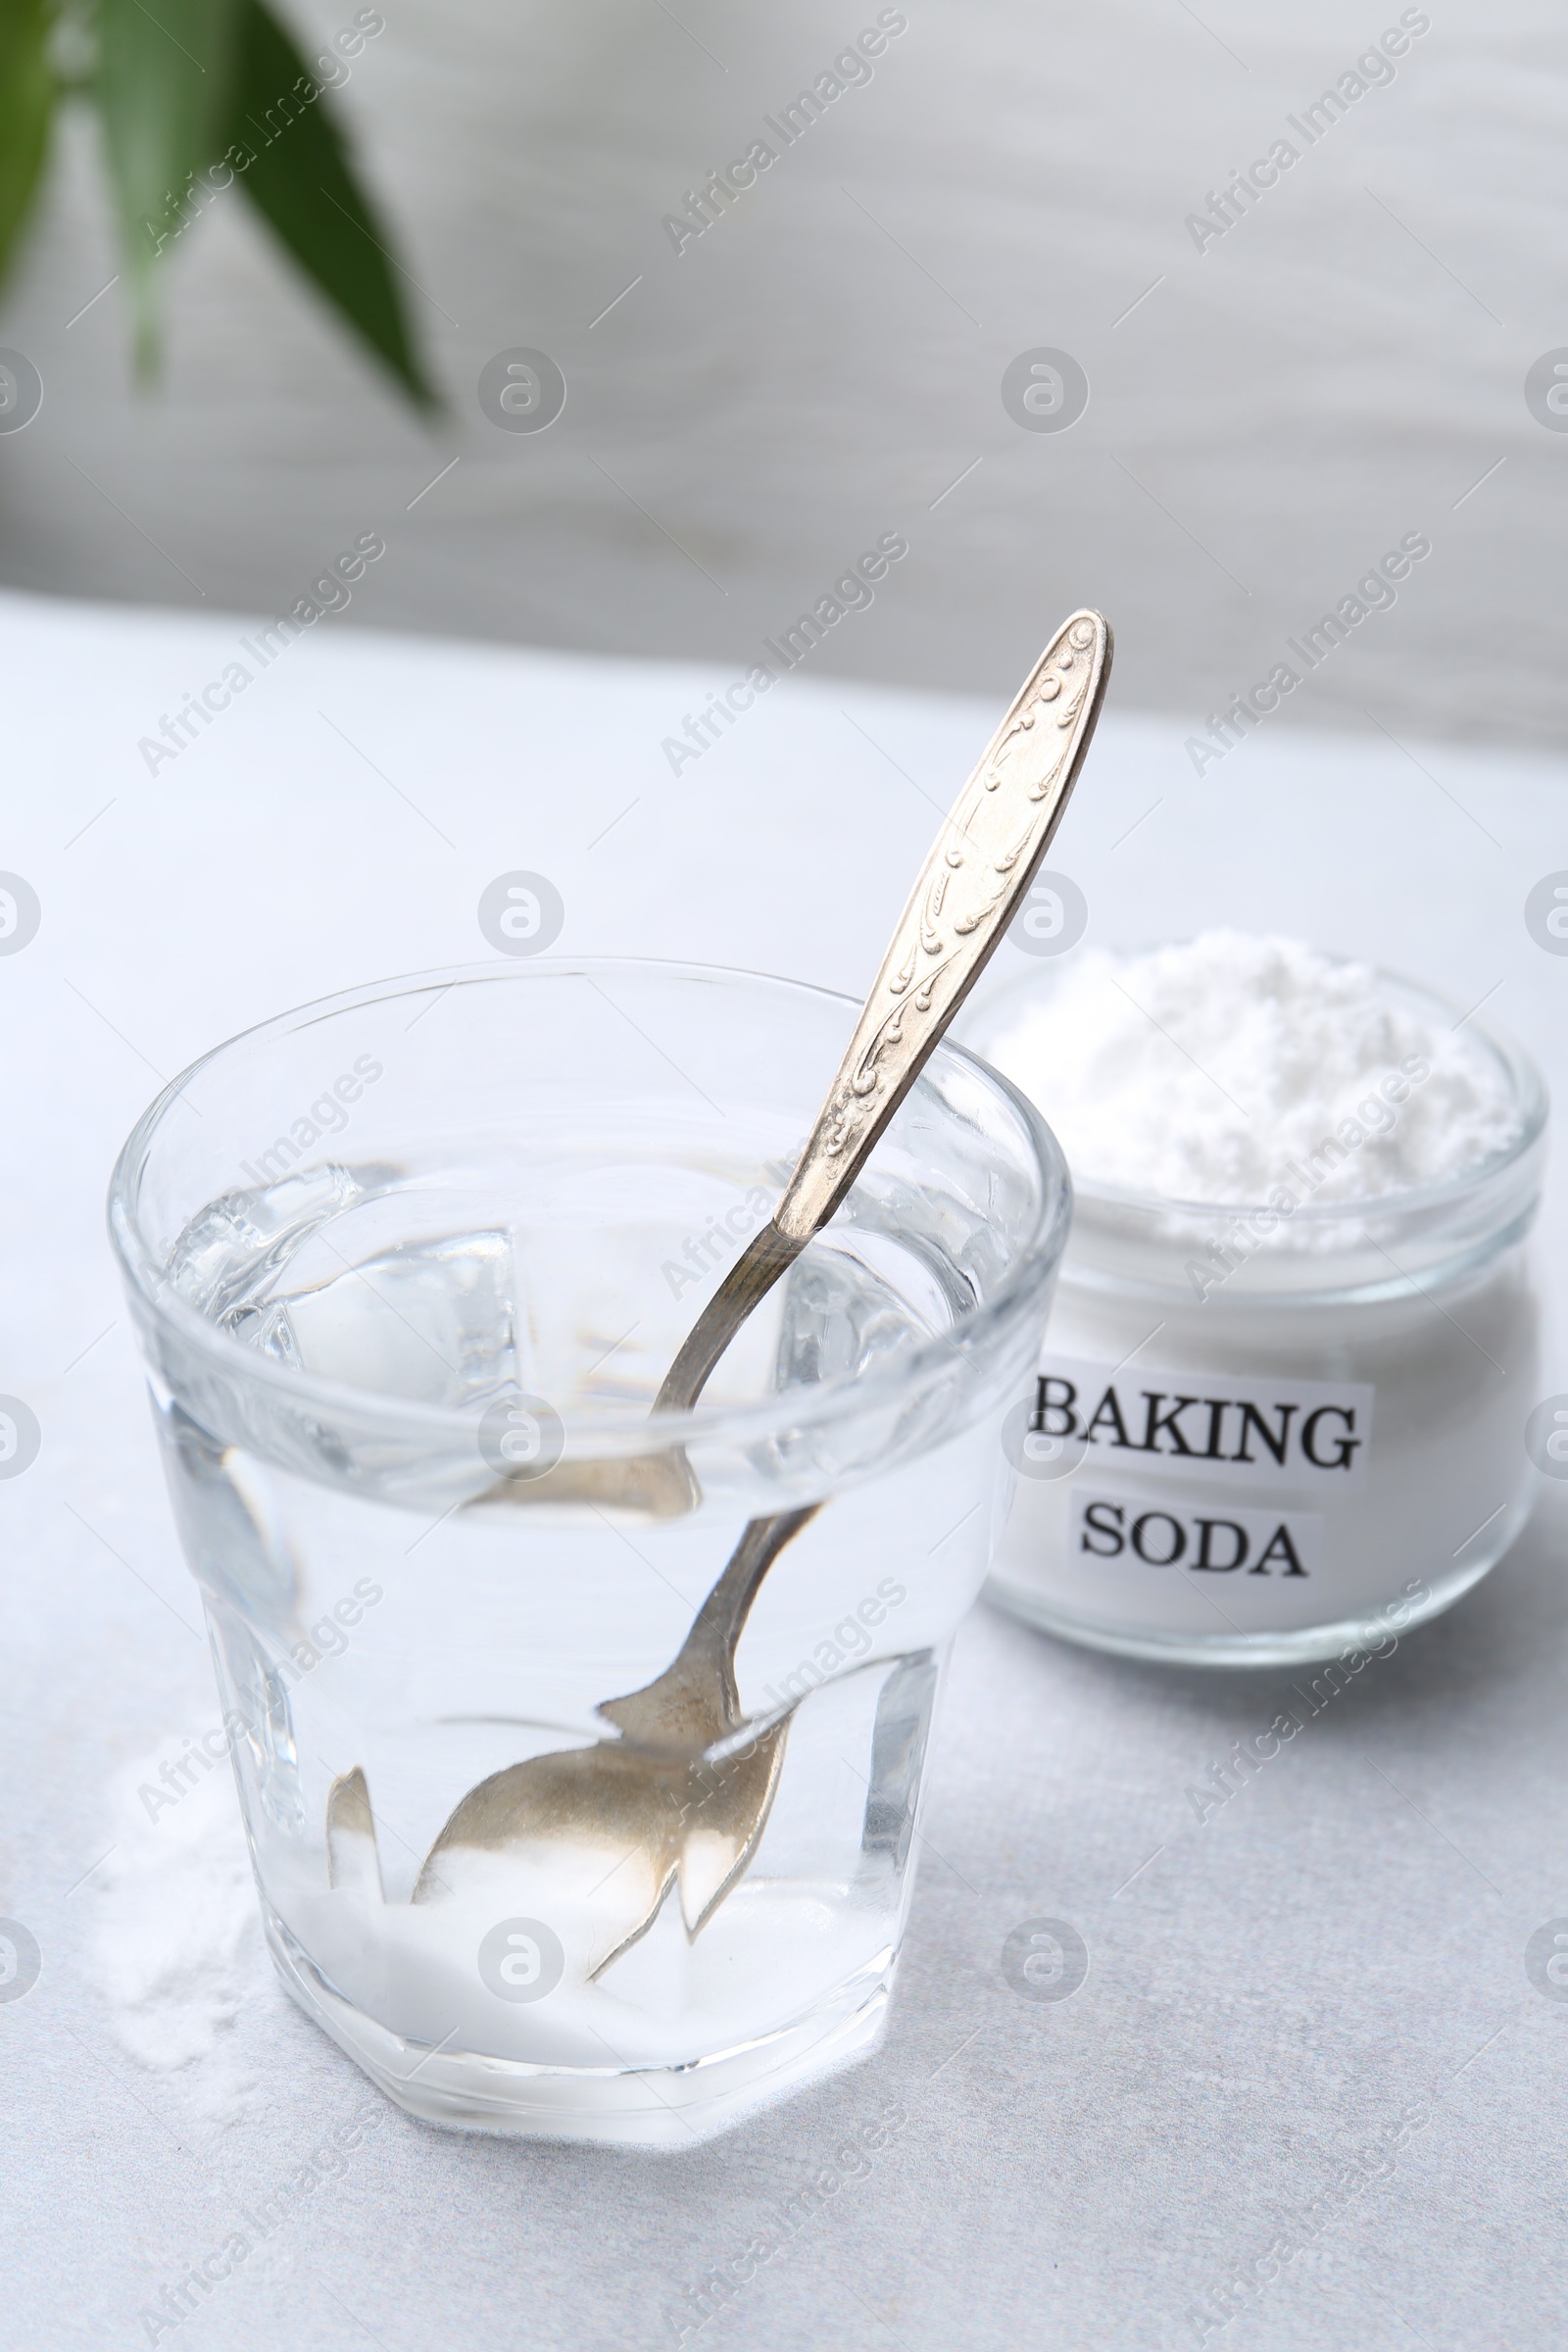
x=1527, y=1089
x=596, y=1430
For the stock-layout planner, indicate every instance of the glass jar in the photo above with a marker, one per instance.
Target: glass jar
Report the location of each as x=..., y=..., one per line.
x=1259, y=1431
x=407, y=1286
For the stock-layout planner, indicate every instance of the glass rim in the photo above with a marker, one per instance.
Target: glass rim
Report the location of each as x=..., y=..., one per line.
x=619, y=1429
x=1527, y=1087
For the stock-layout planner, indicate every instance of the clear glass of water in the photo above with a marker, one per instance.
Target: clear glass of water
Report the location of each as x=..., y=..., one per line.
x=408, y=1268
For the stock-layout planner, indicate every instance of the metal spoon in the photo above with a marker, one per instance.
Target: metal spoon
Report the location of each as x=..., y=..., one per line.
x=660, y=1803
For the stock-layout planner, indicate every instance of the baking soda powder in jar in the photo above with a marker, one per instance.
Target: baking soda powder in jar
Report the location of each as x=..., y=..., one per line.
x=1295, y=1344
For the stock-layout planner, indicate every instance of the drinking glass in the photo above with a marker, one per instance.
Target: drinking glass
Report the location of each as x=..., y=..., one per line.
x=407, y=1267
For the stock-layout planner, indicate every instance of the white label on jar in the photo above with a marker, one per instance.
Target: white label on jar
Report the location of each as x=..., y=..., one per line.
x=1268, y=1436
x=1141, y=1532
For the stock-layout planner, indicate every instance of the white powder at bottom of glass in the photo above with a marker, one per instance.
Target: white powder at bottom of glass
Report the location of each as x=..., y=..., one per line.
x=1197, y=1072
x=175, y=1944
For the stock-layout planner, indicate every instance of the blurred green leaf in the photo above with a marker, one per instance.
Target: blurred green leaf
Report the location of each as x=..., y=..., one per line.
x=299, y=176
x=26, y=103
x=165, y=70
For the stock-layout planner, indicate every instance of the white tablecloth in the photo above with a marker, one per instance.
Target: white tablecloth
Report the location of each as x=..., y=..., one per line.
x=1268, y=1994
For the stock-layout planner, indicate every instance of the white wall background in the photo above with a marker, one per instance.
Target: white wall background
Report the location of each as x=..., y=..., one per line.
x=1337, y=371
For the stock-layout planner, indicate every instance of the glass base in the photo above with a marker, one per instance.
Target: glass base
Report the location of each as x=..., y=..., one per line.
x=1300, y=1645
x=661, y=2107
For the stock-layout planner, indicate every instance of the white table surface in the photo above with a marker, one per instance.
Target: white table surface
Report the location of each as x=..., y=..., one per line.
x=1265, y=1996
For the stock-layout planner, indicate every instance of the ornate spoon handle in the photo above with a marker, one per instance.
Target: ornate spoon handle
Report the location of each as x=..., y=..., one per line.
x=968, y=890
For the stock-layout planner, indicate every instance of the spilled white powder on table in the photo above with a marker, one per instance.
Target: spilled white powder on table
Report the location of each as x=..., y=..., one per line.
x=175, y=1944
x=1196, y=1072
